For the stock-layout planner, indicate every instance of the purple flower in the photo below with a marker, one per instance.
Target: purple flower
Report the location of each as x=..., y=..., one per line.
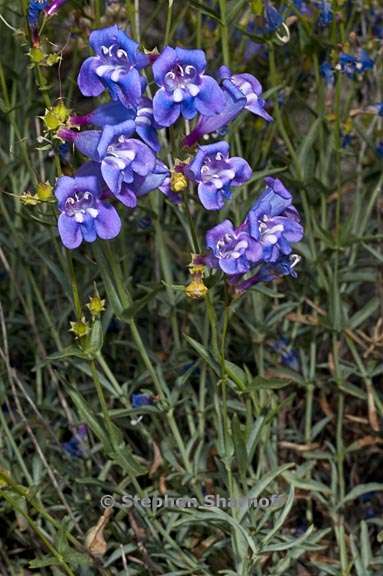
x=240, y=91
x=84, y=216
x=128, y=166
x=215, y=173
x=274, y=222
x=184, y=87
x=115, y=67
x=54, y=7
x=115, y=114
x=325, y=14
x=250, y=87
x=233, y=250
x=268, y=271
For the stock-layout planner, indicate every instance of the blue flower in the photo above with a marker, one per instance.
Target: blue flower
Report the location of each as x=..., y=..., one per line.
x=352, y=65
x=139, y=400
x=379, y=149
x=241, y=91
x=325, y=14
x=215, y=172
x=274, y=222
x=250, y=87
x=289, y=356
x=73, y=447
x=267, y=272
x=83, y=214
x=232, y=250
x=128, y=166
x=115, y=67
x=35, y=7
x=115, y=114
x=327, y=72
x=184, y=88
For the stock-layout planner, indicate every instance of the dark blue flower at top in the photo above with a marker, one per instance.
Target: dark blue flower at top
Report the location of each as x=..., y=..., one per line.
x=114, y=68
x=184, y=88
x=215, y=172
x=232, y=250
x=83, y=214
x=274, y=222
x=35, y=7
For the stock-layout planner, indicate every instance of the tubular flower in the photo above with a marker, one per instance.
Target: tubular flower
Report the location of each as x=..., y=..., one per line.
x=114, y=68
x=232, y=250
x=274, y=222
x=115, y=114
x=215, y=173
x=83, y=215
x=250, y=87
x=351, y=65
x=184, y=88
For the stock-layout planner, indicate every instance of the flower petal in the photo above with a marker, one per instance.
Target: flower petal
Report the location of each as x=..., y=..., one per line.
x=165, y=111
x=210, y=197
x=70, y=232
x=165, y=62
x=210, y=99
x=112, y=174
x=107, y=223
x=194, y=58
x=242, y=170
x=88, y=81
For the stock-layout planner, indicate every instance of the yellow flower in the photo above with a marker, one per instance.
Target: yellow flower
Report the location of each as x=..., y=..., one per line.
x=96, y=305
x=80, y=328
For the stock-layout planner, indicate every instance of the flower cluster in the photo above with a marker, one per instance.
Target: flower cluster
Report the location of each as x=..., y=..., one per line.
x=123, y=151
x=261, y=243
x=123, y=148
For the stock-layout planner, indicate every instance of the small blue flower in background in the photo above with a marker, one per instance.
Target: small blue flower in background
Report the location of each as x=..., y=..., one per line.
x=232, y=250
x=250, y=87
x=241, y=91
x=35, y=7
x=274, y=222
x=327, y=73
x=325, y=14
x=351, y=65
x=74, y=446
x=273, y=19
x=215, y=172
x=139, y=400
x=184, y=88
x=288, y=355
x=114, y=68
x=83, y=215
x=379, y=149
